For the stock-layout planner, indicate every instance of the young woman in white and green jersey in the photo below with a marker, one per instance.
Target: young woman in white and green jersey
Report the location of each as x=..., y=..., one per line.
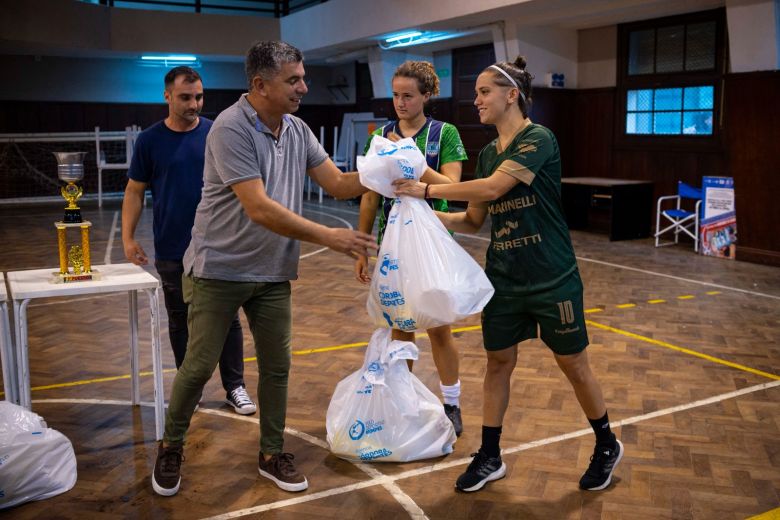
x=530, y=262
x=414, y=82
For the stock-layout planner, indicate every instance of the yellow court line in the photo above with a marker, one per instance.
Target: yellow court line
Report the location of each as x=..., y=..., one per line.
x=595, y=309
x=625, y=305
x=96, y=380
x=681, y=349
x=686, y=297
x=461, y=329
x=774, y=514
x=361, y=344
x=655, y=301
x=712, y=293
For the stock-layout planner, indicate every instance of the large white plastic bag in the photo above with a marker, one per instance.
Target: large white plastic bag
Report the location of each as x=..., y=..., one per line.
x=383, y=412
x=423, y=278
x=36, y=462
x=387, y=161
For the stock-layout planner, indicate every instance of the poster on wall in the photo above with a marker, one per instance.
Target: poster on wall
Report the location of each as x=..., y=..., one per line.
x=719, y=223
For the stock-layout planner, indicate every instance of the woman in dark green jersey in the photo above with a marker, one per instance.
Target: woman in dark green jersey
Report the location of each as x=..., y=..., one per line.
x=414, y=82
x=530, y=262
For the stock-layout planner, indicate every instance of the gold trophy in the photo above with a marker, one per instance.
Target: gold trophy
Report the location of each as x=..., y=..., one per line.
x=70, y=168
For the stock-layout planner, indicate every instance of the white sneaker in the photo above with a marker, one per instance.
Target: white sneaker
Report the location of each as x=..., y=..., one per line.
x=240, y=401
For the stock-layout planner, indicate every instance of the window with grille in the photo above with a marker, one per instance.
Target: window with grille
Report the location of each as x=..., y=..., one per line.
x=670, y=74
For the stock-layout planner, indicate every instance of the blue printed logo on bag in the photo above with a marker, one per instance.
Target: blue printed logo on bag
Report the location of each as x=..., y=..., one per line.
x=366, y=390
x=369, y=454
x=407, y=324
x=406, y=168
x=390, y=150
x=389, y=297
x=357, y=430
x=388, y=264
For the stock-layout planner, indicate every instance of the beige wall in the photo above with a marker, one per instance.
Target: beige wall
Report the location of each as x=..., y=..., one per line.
x=57, y=27
x=597, y=57
x=752, y=35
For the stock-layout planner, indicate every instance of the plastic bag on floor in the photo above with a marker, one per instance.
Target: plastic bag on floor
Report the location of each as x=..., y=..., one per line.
x=387, y=161
x=383, y=412
x=36, y=462
x=423, y=278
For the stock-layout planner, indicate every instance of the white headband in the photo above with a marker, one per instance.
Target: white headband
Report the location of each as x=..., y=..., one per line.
x=511, y=80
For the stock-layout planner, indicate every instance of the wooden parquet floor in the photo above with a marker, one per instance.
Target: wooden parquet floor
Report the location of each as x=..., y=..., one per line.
x=690, y=372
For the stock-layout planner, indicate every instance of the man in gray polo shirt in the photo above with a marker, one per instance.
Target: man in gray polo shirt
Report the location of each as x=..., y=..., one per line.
x=245, y=248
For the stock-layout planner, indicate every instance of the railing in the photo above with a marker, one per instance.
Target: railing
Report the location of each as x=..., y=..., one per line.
x=275, y=8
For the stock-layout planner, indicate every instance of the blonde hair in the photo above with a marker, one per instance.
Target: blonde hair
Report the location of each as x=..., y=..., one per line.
x=423, y=72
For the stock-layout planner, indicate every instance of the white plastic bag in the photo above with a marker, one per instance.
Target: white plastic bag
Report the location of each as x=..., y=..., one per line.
x=423, y=278
x=36, y=462
x=387, y=161
x=384, y=413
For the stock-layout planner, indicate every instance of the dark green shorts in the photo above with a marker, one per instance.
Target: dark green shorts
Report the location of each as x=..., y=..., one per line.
x=558, y=313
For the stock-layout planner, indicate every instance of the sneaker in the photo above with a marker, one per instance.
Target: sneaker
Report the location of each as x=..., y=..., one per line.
x=482, y=470
x=602, y=464
x=281, y=470
x=240, y=401
x=453, y=414
x=167, y=470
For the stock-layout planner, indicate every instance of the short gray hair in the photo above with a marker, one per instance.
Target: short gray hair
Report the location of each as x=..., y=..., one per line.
x=265, y=59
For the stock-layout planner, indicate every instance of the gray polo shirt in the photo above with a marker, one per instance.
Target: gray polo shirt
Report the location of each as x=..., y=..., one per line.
x=226, y=244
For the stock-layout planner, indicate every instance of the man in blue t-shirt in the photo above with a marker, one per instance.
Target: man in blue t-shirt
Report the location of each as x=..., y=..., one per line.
x=168, y=158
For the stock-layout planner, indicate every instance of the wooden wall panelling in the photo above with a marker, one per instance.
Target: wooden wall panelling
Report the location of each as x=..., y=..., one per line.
x=752, y=139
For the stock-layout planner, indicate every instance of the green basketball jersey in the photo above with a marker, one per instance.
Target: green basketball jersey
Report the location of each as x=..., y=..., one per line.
x=530, y=248
x=450, y=148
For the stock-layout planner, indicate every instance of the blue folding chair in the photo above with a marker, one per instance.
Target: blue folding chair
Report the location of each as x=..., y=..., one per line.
x=677, y=219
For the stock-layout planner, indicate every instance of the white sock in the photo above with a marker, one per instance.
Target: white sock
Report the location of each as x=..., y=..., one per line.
x=451, y=394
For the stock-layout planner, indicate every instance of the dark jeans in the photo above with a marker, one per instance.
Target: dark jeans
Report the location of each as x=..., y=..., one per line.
x=231, y=361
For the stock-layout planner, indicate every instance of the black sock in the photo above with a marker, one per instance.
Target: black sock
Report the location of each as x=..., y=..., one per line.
x=491, y=435
x=601, y=428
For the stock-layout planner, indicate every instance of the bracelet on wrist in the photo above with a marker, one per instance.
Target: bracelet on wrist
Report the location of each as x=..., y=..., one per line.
x=426, y=191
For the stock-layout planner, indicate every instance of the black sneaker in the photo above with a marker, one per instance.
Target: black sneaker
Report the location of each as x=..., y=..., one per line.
x=240, y=401
x=482, y=470
x=602, y=465
x=167, y=470
x=281, y=470
x=453, y=414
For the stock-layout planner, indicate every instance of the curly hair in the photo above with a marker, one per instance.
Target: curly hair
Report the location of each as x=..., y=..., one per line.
x=423, y=72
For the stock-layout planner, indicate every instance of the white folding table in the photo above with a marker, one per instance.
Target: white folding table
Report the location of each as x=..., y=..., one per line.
x=28, y=285
x=7, y=356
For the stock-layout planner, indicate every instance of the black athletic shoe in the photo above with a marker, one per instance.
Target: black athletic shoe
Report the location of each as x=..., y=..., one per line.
x=602, y=465
x=453, y=414
x=482, y=470
x=167, y=470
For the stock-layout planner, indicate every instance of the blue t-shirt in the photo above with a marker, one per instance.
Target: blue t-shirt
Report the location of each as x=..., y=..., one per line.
x=171, y=163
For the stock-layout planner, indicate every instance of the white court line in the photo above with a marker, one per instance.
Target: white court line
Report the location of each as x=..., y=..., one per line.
x=346, y=222
x=110, y=244
x=309, y=206
x=405, y=500
x=654, y=273
x=387, y=479
x=465, y=460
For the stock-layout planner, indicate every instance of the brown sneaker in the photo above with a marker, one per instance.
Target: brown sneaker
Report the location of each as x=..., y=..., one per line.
x=281, y=470
x=167, y=470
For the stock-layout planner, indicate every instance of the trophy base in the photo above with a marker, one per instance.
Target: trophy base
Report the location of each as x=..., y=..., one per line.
x=72, y=216
x=71, y=277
